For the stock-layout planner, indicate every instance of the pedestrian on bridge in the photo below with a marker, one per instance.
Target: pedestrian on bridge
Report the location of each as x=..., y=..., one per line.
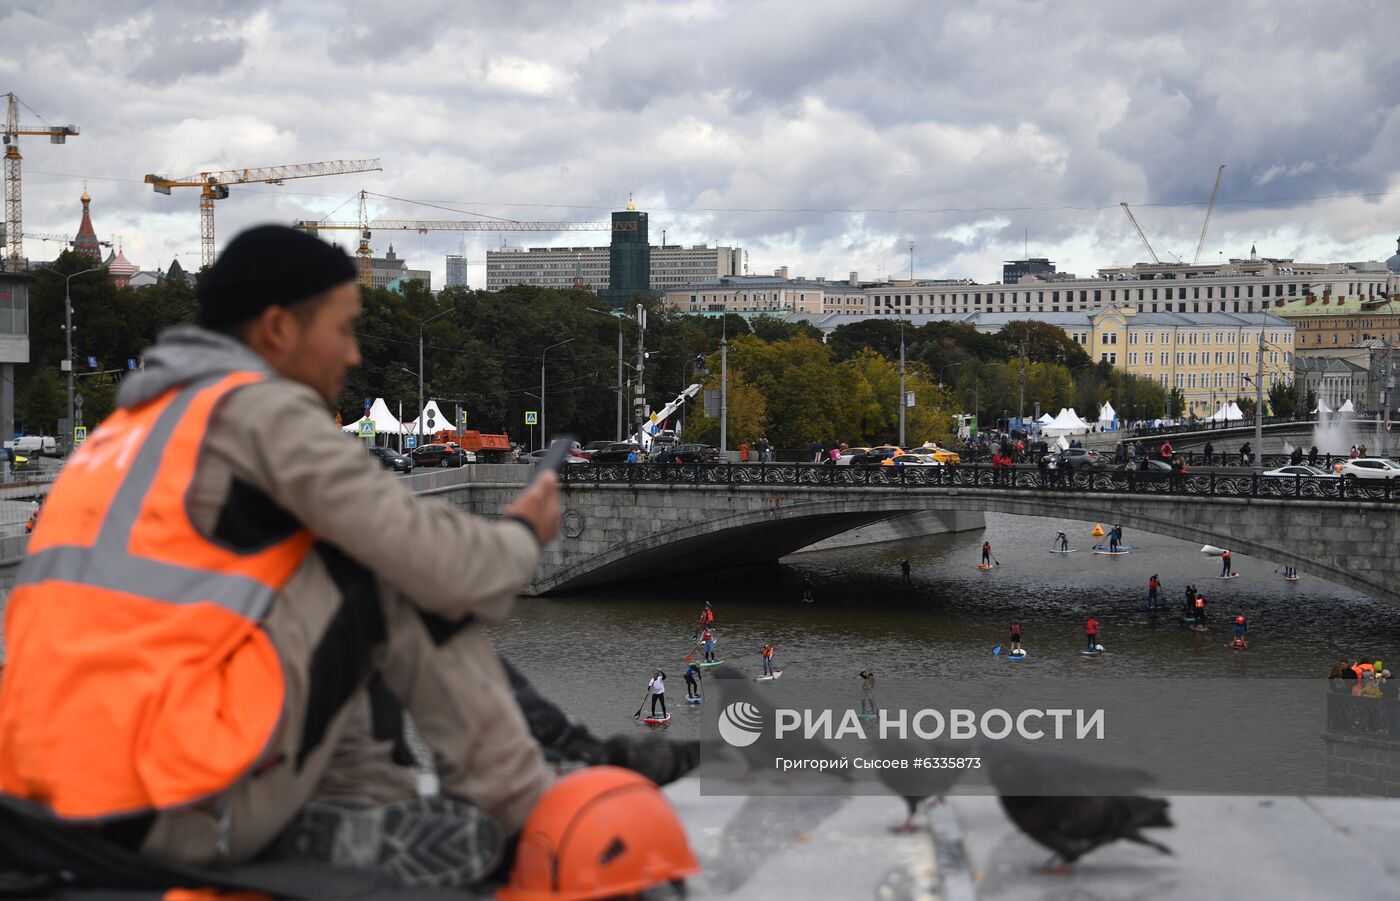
x=1166, y=452
x=1312, y=455
x=1296, y=457
x=1208, y=451
x=1246, y=454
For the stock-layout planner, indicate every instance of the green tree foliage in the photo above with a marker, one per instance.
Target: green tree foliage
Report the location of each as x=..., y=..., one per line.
x=1246, y=405
x=1283, y=399
x=1176, y=403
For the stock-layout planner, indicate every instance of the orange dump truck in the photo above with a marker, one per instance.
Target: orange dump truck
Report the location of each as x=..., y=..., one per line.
x=488, y=448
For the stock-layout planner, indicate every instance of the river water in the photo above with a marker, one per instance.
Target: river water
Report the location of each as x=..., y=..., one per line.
x=593, y=653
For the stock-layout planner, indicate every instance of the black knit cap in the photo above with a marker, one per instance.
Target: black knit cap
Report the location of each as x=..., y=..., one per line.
x=266, y=266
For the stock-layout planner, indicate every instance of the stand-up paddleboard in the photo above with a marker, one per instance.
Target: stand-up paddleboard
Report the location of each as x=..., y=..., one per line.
x=711, y=663
x=657, y=720
x=1121, y=547
x=1070, y=551
x=1098, y=649
x=984, y=566
x=1290, y=578
x=1017, y=655
x=776, y=674
x=693, y=700
x=1211, y=550
x=867, y=716
x=1200, y=628
x=1237, y=646
x=1118, y=553
x=1233, y=575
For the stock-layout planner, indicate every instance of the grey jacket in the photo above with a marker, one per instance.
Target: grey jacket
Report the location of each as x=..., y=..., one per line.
x=277, y=437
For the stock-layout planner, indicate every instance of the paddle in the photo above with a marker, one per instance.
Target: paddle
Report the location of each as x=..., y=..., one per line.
x=996, y=651
x=638, y=714
x=996, y=561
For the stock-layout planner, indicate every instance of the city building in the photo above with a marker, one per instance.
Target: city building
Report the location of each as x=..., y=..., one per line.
x=456, y=271
x=1239, y=286
x=14, y=339
x=772, y=294
x=1334, y=381
x=629, y=258
x=388, y=269
x=672, y=265
x=1330, y=323
x=85, y=242
x=1012, y=270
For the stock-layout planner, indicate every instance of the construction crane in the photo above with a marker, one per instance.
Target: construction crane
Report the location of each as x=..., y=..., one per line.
x=1210, y=208
x=214, y=186
x=365, y=226
x=14, y=224
x=1138, y=228
x=66, y=239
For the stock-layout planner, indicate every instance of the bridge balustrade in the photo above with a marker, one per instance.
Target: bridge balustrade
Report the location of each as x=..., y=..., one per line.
x=1205, y=484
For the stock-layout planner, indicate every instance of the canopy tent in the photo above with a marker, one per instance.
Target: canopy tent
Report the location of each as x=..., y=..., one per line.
x=1227, y=413
x=432, y=421
x=1347, y=407
x=1061, y=443
x=385, y=423
x=1045, y=419
x=1107, y=416
x=1322, y=407
x=1067, y=423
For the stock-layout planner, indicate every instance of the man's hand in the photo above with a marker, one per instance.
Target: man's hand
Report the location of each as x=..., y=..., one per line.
x=538, y=505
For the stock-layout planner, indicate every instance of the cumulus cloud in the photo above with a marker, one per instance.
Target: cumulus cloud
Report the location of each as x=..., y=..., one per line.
x=818, y=134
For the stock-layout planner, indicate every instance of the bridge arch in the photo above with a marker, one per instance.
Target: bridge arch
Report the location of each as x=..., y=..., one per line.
x=1348, y=545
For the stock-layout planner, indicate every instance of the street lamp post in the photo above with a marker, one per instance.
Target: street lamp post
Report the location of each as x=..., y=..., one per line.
x=544, y=436
x=421, y=325
x=68, y=335
x=901, y=383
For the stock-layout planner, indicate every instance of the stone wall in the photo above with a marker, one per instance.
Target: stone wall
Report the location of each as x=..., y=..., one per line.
x=1358, y=765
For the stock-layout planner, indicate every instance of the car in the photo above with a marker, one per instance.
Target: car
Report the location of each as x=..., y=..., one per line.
x=1294, y=470
x=392, y=459
x=617, y=451
x=852, y=455
x=1370, y=468
x=940, y=454
x=442, y=455
x=918, y=457
x=591, y=448
x=536, y=456
x=1076, y=458
x=1151, y=466
x=688, y=453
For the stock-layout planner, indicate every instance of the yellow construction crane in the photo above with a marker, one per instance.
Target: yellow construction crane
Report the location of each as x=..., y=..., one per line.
x=14, y=225
x=214, y=186
x=365, y=226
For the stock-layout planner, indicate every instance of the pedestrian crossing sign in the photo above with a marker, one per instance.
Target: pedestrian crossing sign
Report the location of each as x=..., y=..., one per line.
x=532, y=417
x=366, y=428
x=79, y=434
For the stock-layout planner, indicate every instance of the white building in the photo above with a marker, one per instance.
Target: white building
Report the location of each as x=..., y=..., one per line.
x=588, y=267
x=775, y=294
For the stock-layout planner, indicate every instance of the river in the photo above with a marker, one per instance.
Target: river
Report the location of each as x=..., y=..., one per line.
x=593, y=653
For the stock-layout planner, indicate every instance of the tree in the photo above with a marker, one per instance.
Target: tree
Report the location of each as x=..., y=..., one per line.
x=41, y=402
x=748, y=413
x=1176, y=403
x=1044, y=343
x=879, y=335
x=1283, y=399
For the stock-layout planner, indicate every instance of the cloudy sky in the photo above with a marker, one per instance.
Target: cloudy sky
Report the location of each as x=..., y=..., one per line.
x=825, y=136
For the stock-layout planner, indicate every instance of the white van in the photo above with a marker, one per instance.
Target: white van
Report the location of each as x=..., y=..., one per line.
x=34, y=444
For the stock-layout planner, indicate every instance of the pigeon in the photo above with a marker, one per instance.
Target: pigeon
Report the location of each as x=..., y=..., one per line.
x=1076, y=822
x=735, y=687
x=915, y=785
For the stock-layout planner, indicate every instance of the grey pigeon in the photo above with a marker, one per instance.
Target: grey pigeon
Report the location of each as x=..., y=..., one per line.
x=1076, y=822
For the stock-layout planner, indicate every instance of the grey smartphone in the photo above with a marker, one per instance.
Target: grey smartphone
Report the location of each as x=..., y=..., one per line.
x=554, y=457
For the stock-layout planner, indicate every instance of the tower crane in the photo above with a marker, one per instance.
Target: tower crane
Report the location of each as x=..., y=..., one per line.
x=57, y=134
x=214, y=186
x=366, y=226
x=1138, y=228
x=1210, y=208
x=66, y=239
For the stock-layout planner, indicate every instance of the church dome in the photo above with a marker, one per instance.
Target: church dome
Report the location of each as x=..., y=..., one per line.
x=121, y=266
x=1393, y=264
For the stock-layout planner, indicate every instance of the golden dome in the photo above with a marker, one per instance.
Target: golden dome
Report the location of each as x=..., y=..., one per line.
x=630, y=204
x=85, y=198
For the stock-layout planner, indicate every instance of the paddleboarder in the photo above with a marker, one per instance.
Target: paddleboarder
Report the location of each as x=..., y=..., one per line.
x=867, y=692
x=692, y=672
x=768, y=659
x=1225, y=562
x=708, y=638
x=1113, y=535
x=904, y=571
x=986, y=553
x=658, y=692
x=1092, y=629
x=1154, y=585
x=1063, y=539
x=1015, y=637
x=1241, y=626
x=1198, y=610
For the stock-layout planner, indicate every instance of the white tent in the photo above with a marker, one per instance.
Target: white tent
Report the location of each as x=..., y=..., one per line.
x=1107, y=416
x=1045, y=419
x=1344, y=408
x=1227, y=413
x=1067, y=423
x=431, y=421
x=385, y=423
x=1234, y=413
x=1061, y=443
x=1322, y=406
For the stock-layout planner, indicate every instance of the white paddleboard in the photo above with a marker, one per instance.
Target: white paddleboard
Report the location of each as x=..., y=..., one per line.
x=776, y=674
x=1098, y=649
x=1211, y=550
x=1070, y=551
x=1111, y=553
x=1233, y=575
x=1290, y=578
x=1017, y=655
x=693, y=700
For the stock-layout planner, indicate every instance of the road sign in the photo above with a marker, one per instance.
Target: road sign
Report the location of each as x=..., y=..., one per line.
x=369, y=402
x=410, y=441
x=366, y=428
x=909, y=398
x=461, y=419
x=79, y=434
x=532, y=417
x=712, y=404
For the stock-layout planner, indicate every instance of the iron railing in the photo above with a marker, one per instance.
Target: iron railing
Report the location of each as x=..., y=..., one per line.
x=1205, y=484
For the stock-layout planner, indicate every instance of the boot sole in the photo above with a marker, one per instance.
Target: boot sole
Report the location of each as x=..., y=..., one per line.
x=427, y=843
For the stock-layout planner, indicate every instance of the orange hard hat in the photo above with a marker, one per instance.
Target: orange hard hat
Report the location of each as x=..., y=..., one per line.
x=599, y=833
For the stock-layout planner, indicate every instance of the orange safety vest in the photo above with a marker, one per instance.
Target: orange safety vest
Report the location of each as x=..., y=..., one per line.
x=139, y=676
x=1200, y=603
